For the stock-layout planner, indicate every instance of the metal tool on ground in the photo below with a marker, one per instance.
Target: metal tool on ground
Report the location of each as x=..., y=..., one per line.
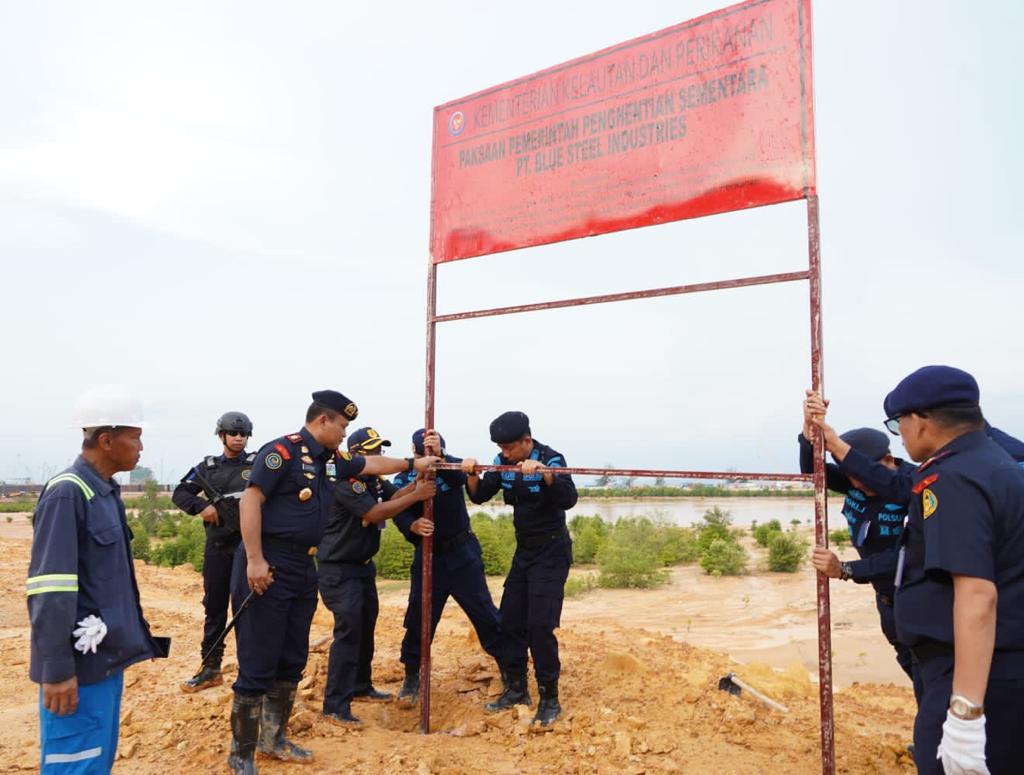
x=231, y=624
x=732, y=684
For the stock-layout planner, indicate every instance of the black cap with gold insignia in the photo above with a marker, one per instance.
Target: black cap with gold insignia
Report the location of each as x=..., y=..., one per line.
x=509, y=427
x=337, y=402
x=366, y=440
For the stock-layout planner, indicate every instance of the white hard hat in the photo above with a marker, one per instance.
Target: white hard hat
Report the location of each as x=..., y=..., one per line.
x=107, y=405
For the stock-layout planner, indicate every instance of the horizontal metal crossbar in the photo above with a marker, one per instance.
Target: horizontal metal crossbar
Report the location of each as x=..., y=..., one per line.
x=647, y=472
x=675, y=290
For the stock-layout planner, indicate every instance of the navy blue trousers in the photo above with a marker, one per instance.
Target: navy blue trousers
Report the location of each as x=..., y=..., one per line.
x=272, y=636
x=887, y=619
x=350, y=592
x=1004, y=713
x=218, y=561
x=531, y=608
x=458, y=574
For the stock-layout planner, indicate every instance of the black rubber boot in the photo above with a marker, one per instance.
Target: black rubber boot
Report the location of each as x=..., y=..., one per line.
x=277, y=708
x=515, y=694
x=245, y=730
x=548, y=708
x=204, y=679
x=410, y=691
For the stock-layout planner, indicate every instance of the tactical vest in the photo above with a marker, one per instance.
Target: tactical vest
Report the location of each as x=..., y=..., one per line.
x=227, y=480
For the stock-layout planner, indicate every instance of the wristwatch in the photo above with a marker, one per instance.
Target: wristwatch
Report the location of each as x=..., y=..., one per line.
x=411, y=462
x=963, y=708
x=845, y=571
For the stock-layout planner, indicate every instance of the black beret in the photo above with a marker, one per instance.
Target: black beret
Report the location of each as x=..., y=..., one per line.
x=871, y=443
x=510, y=427
x=930, y=387
x=335, y=401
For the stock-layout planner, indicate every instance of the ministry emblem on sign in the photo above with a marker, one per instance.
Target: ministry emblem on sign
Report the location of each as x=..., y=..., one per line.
x=456, y=122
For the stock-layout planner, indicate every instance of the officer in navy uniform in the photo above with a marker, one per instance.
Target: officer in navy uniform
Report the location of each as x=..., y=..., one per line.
x=894, y=484
x=283, y=513
x=348, y=584
x=211, y=490
x=531, y=604
x=458, y=565
x=960, y=581
x=875, y=525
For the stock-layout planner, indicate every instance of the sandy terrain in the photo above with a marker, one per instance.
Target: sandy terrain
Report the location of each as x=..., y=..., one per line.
x=639, y=686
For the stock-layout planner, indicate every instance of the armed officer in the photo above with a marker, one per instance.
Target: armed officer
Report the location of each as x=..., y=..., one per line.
x=458, y=565
x=283, y=512
x=960, y=583
x=212, y=489
x=348, y=576
x=531, y=604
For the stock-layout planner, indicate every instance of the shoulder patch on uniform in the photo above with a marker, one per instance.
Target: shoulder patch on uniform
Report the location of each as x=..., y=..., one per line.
x=358, y=487
x=928, y=481
x=273, y=461
x=343, y=455
x=929, y=503
x=294, y=438
x=283, y=450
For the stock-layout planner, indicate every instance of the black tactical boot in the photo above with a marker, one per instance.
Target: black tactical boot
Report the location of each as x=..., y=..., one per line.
x=245, y=730
x=373, y=695
x=515, y=694
x=204, y=679
x=410, y=691
x=548, y=708
x=344, y=716
x=277, y=708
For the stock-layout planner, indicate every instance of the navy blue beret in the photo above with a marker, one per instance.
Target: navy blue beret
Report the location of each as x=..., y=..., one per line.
x=417, y=441
x=510, y=427
x=929, y=387
x=873, y=444
x=335, y=401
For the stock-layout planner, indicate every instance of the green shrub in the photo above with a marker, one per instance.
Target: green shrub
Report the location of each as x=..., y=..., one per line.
x=186, y=545
x=588, y=535
x=497, y=536
x=839, y=537
x=140, y=544
x=630, y=556
x=678, y=545
x=394, y=560
x=724, y=557
x=714, y=526
x=763, y=533
x=580, y=585
x=786, y=552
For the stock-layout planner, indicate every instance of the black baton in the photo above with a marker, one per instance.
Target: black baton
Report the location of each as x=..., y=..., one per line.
x=231, y=624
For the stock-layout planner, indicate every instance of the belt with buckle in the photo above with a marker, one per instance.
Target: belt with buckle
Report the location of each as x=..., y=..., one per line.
x=537, y=541
x=289, y=547
x=442, y=545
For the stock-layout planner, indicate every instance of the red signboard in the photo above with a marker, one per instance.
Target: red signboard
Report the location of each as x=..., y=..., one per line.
x=712, y=115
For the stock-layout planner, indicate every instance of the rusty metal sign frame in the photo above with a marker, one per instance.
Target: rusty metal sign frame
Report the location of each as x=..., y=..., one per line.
x=813, y=276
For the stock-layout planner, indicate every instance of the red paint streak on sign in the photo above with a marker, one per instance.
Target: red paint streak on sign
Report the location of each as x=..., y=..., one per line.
x=712, y=115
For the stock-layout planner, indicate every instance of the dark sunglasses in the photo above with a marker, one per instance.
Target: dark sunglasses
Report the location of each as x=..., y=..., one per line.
x=243, y=434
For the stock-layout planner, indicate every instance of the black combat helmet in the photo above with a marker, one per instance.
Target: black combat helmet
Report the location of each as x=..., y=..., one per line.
x=234, y=422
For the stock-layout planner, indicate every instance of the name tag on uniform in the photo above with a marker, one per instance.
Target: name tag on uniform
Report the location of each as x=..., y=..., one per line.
x=332, y=469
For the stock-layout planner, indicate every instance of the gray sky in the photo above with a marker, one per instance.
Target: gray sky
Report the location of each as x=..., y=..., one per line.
x=225, y=206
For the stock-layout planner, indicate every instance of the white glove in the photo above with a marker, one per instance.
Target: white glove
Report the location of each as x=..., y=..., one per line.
x=962, y=748
x=90, y=633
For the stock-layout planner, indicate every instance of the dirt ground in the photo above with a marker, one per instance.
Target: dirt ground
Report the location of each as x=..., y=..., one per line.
x=639, y=686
